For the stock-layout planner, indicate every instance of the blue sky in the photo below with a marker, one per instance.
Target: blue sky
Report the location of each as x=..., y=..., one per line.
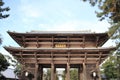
x=49, y=15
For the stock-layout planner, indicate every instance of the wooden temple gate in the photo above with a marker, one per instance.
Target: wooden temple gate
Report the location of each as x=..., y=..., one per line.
x=60, y=50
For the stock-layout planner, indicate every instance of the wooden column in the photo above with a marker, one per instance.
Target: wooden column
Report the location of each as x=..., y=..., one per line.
x=37, y=45
x=68, y=67
x=21, y=60
x=52, y=71
x=98, y=71
x=84, y=72
x=68, y=72
x=80, y=73
x=97, y=65
x=97, y=39
x=83, y=42
x=52, y=41
x=68, y=42
x=36, y=66
x=36, y=71
x=52, y=68
x=40, y=72
x=23, y=65
x=23, y=38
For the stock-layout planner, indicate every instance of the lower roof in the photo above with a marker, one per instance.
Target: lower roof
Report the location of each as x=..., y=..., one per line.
x=101, y=49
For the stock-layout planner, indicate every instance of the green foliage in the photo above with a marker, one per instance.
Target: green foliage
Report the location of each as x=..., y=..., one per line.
x=18, y=68
x=109, y=9
x=110, y=68
x=3, y=63
x=2, y=10
x=114, y=33
x=74, y=74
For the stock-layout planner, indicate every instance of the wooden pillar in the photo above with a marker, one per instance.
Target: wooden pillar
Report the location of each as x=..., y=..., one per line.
x=97, y=39
x=98, y=71
x=80, y=73
x=68, y=42
x=53, y=42
x=36, y=66
x=68, y=72
x=36, y=71
x=65, y=73
x=23, y=38
x=84, y=72
x=83, y=42
x=40, y=72
x=37, y=45
x=52, y=72
x=55, y=74
x=97, y=65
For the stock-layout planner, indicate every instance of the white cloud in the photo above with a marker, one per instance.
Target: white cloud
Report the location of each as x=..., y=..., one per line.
x=30, y=11
x=77, y=25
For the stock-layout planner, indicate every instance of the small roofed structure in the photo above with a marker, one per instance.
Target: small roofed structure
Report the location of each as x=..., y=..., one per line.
x=63, y=49
x=9, y=74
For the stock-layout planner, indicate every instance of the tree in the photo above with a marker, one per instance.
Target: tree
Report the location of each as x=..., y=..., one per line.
x=73, y=74
x=110, y=68
x=109, y=9
x=3, y=64
x=2, y=16
x=114, y=33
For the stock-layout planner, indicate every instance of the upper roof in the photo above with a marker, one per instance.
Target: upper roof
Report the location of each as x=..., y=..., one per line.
x=20, y=37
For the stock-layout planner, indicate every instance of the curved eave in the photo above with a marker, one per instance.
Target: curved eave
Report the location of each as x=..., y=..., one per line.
x=108, y=49
x=13, y=34
x=57, y=32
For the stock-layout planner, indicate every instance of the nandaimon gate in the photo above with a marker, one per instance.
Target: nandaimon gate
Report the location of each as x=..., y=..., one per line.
x=52, y=49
